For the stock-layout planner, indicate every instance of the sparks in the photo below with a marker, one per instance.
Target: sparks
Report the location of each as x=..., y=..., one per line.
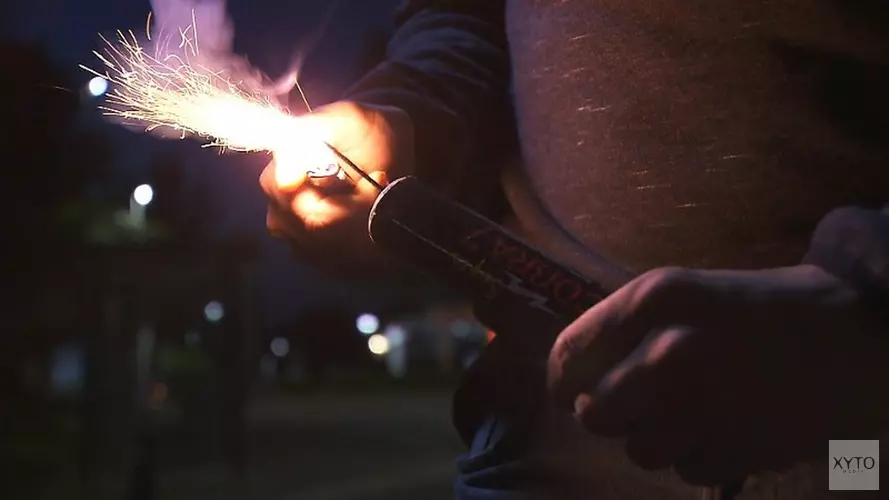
x=166, y=89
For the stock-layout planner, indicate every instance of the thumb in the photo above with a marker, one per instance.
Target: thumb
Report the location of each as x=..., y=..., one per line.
x=340, y=124
x=288, y=176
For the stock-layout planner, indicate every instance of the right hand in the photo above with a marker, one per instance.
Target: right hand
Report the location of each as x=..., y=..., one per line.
x=330, y=232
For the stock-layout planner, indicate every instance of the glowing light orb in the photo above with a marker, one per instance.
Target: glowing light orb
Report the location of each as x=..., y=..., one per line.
x=97, y=86
x=280, y=347
x=214, y=312
x=378, y=344
x=143, y=194
x=367, y=324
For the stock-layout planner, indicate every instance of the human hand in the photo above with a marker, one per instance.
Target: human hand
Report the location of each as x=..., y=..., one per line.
x=330, y=231
x=721, y=374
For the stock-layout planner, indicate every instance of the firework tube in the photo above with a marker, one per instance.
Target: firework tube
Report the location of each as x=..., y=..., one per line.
x=425, y=228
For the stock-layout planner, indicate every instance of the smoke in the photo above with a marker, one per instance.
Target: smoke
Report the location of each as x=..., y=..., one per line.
x=209, y=33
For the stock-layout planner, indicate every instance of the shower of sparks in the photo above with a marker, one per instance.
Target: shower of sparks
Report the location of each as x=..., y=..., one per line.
x=165, y=89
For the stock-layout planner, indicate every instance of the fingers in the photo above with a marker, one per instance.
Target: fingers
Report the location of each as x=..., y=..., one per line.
x=645, y=386
x=610, y=331
x=311, y=208
x=279, y=194
x=297, y=207
x=664, y=401
x=317, y=211
x=328, y=224
x=653, y=399
x=274, y=224
x=288, y=180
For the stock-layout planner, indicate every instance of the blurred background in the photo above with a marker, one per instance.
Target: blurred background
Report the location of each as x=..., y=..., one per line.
x=156, y=343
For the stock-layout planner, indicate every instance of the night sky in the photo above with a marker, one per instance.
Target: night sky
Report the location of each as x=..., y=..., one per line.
x=269, y=32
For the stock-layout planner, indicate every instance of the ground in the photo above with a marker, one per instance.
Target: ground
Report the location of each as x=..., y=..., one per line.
x=333, y=447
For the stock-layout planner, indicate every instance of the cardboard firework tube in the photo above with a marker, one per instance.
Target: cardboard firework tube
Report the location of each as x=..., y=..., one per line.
x=429, y=230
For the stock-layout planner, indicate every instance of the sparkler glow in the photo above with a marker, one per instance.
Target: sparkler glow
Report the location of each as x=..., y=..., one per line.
x=174, y=89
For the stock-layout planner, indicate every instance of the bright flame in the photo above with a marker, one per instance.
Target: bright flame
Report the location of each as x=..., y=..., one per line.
x=166, y=90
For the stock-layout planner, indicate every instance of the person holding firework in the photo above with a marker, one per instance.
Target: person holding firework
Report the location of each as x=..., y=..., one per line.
x=733, y=156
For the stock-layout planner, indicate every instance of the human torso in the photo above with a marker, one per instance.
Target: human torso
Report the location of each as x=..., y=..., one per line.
x=698, y=133
x=709, y=134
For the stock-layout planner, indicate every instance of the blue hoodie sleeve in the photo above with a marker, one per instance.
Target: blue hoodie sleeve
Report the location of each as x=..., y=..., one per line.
x=853, y=244
x=447, y=67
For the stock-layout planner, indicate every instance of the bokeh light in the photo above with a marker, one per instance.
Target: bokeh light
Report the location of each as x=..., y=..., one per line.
x=143, y=194
x=378, y=344
x=367, y=324
x=214, y=312
x=280, y=347
x=97, y=86
x=396, y=335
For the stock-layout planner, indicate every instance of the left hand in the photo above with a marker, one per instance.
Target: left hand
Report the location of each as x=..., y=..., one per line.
x=725, y=373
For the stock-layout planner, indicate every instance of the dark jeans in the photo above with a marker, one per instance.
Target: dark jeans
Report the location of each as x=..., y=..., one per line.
x=520, y=448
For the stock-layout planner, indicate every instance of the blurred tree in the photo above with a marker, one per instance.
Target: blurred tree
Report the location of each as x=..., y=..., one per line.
x=41, y=172
x=47, y=167
x=62, y=236
x=180, y=206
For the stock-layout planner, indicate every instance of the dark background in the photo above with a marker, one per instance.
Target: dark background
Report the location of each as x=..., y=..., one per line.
x=116, y=382
x=338, y=40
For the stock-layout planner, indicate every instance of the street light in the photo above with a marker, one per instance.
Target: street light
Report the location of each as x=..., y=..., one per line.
x=214, y=312
x=378, y=344
x=141, y=198
x=143, y=194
